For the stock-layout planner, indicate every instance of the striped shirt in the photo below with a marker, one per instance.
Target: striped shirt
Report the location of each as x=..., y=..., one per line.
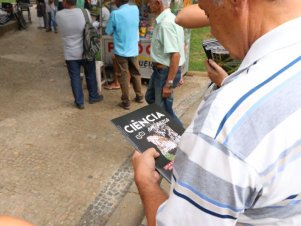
x=238, y=163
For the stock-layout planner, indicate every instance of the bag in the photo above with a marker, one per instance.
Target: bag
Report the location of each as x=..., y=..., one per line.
x=91, y=39
x=4, y=18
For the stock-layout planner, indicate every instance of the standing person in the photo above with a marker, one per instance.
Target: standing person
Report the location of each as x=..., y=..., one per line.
x=71, y=22
x=100, y=23
x=105, y=15
x=123, y=24
x=51, y=14
x=239, y=160
x=167, y=53
x=41, y=13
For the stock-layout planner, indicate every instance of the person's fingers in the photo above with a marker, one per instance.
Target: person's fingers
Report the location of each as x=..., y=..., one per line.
x=217, y=68
x=181, y=82
x=152, y=153
x=149, y=153
x=166, y=92
x=135, y=158
x=208, y=67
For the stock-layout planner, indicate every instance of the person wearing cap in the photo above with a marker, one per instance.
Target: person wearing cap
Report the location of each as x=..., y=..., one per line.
x=238, y=162
x=167, y=53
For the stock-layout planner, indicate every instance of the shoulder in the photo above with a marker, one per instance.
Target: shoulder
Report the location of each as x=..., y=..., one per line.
x=60, y=14
x=134, y=7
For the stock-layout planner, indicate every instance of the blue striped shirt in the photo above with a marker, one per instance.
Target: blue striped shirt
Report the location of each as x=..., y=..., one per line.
x=239, y=161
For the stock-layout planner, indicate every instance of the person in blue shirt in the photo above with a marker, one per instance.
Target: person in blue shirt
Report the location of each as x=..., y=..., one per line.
x=123, y=25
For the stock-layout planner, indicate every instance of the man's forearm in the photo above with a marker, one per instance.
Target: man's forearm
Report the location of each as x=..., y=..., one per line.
x=152, y=197
x=174, y=65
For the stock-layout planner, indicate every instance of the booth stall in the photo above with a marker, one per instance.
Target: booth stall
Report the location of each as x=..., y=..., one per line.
x=145, y=31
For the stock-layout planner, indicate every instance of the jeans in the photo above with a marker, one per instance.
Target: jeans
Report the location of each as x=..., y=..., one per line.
x=73, y=67
x=52, y=20
x=155, y=87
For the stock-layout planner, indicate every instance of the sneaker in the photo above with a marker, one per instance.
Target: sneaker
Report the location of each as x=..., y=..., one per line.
x=100, y=98
x=124, y=106
x=139, y=99
x=48, y=30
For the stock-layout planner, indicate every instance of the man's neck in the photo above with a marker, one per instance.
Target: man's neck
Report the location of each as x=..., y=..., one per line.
x=270, y=15
x=160, y=11
x=69, y=6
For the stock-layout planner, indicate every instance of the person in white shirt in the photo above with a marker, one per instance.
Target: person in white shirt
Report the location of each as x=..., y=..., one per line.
x=51, y=12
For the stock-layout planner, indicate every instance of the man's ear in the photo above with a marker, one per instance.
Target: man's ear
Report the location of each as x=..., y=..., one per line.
x=159, y=2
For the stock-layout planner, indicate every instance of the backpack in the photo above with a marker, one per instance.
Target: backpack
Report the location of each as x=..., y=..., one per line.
x=91, y=39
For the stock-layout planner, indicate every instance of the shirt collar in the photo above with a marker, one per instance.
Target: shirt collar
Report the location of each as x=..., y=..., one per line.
x=162, y=15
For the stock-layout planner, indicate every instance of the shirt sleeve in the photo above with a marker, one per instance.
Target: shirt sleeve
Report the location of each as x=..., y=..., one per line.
x=170, y=39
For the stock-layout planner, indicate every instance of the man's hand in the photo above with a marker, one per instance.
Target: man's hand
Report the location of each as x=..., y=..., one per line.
x=147, y=180
x=166, y=92
x=144, y=167
x=216, y=73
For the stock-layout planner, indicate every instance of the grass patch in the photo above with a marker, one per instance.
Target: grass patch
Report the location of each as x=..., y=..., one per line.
x=196, y=52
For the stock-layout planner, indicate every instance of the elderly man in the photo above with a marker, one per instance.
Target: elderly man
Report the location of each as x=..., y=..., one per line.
x=167, y=53
x=238, y=162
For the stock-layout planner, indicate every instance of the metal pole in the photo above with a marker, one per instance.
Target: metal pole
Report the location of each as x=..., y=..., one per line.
x=100, y=2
